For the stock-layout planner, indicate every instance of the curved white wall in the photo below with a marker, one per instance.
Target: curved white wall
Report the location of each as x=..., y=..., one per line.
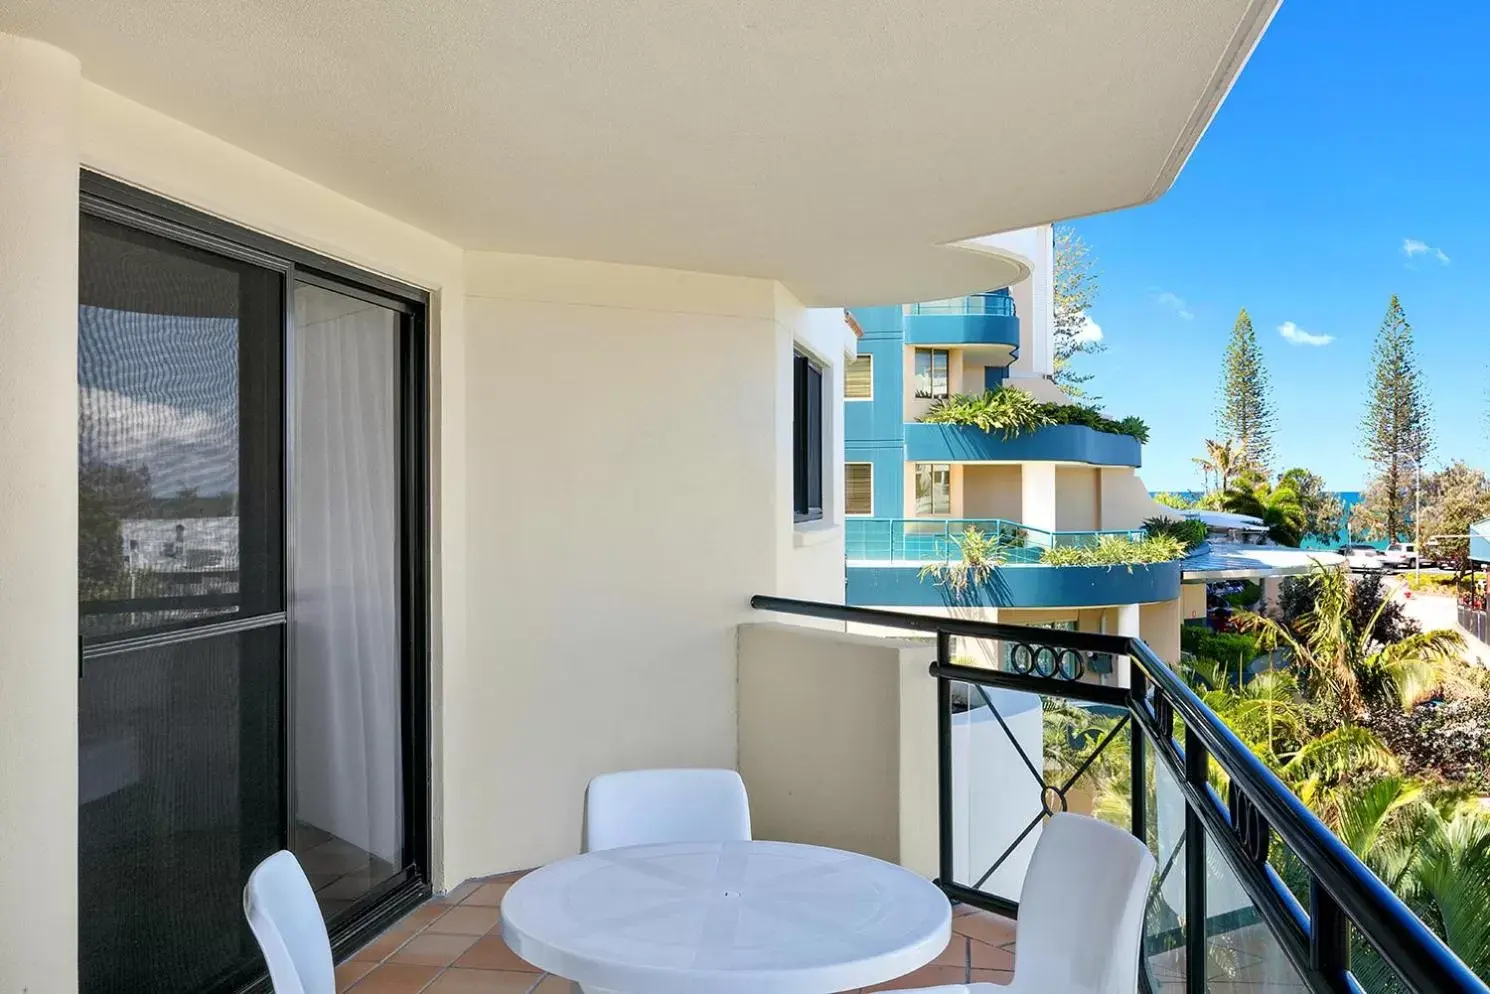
x=38, y=516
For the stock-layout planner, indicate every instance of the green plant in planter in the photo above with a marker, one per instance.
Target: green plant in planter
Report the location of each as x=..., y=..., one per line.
x=1006, y=410
x=1116, y=550
x=1188, y=530
x=981, y=554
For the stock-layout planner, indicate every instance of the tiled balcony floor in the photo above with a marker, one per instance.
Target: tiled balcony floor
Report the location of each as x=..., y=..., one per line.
x=453, y=945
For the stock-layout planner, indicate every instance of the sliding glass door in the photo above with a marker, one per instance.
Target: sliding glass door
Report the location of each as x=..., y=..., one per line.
x=250, y=566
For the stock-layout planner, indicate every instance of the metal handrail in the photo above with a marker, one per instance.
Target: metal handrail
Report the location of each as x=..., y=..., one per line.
x=937, y=539
x=1342, y=889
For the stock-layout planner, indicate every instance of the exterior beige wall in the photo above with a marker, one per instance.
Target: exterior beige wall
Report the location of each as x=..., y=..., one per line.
x=837, y=741
x=992, y=491
x=1192, y=600
x=1125, y=500
x=39, y=526
x=1077, y=498
x=1159, y=626
x=675, y=507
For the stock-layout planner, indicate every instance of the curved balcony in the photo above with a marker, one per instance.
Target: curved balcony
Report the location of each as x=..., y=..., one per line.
x=982, y=319
x=885, y=557
x=1053, y=443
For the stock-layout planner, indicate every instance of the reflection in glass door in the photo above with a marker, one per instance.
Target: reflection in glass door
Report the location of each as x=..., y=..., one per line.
x=250, y=570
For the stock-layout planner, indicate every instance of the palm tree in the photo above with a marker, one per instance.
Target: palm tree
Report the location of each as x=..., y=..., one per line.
x=1278, y=507
x=1344, y=669
x=1224, y=459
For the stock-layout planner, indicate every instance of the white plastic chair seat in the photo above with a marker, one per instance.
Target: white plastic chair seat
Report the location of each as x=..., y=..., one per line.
x=1078, y=862
x=639, y=807
x=282, y=911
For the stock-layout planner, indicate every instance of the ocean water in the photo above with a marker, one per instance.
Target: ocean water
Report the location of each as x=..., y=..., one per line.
x=1348, y=500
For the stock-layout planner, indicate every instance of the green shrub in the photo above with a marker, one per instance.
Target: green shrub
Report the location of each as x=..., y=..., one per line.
x=1228, y=648
x=1115, y=550
x=1250, y=594
x=1175, y=501
x=1187, y=530
x=981, y=554
x=1011, y=412
x=1006, y=410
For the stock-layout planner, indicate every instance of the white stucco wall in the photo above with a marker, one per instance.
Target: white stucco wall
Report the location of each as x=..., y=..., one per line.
x=38, y=529
x=619, y=524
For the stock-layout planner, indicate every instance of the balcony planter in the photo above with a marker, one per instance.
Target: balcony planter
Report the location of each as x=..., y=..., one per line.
x=1018, y=586
x=1053, y=443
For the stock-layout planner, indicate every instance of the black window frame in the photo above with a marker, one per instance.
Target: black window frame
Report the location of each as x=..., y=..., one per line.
x=807, y=438
x=931, y=392
x=112, y=200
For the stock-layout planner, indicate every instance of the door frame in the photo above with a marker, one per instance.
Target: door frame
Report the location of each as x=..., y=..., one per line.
x=107, y=198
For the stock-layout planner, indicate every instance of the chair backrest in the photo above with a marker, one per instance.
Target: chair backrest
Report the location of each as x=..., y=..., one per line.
x=1081, y=909
x=641, y=806
x=282, y=912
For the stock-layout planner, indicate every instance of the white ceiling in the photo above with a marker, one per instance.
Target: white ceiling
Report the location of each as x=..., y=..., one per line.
x=836, y=145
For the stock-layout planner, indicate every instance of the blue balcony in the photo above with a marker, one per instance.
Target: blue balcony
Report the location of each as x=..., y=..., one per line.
x=982, y=319
x=1053, y=443
x=885, y=557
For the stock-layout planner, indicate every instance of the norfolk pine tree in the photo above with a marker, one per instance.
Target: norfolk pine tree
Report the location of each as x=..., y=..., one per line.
x=1246, y=412
x=1397, y=420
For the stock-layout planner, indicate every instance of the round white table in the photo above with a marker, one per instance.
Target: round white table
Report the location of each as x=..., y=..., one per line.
x=725, y=918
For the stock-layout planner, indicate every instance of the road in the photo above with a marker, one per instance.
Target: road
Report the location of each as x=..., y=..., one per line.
x=1438, y=612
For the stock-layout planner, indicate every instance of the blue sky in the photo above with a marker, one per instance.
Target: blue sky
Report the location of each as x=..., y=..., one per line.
x=1358, y=132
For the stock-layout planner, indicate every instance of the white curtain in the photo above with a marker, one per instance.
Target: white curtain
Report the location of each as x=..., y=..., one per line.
x=344, y=570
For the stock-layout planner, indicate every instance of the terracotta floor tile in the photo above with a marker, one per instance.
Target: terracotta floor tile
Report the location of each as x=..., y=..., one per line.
x=350, y=972
x=491, y=953
x=992, y=977
x=458, y=893
x=985, y=928
x=459, y=981
x=551, y=984
x=423, y=915
x=927, y=976
x=384, y=945
x=512, y=877
x=982, y=956
x=469, y=919
x=955, y=954
x=489, y=895
x=433, y=949
x=396, y=978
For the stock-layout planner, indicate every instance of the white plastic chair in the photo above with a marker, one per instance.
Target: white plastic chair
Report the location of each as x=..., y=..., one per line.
x=282, y=912
x=1080, y=867
x=636, y=807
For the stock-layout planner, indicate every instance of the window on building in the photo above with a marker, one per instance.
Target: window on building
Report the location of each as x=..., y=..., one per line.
x=933, y=488
x=807, y=439
x=858, y=488
x=931, y=373
x=858, y=379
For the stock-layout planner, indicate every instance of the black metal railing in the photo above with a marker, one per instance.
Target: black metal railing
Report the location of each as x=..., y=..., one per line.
x=1251, y=887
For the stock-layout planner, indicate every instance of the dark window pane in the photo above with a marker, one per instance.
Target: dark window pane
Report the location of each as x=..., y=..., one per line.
x=923, y=373
x=939, y=388
x=858, y=488
x=179, y=425
x=179, y=796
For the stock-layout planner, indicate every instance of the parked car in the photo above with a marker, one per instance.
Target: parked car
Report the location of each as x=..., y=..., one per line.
x=1400, y=555
x=1362, y=558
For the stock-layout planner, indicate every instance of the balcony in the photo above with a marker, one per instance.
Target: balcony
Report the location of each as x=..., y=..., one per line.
x=981, y=319
x=1053, y=443
x=888, y=746
x=886, y=556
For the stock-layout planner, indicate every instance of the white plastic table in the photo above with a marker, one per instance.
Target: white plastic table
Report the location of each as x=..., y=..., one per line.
x=725, y=918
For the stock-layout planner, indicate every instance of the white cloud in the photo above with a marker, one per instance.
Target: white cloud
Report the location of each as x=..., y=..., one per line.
x=1176, y=303
x=182, y=447
x=1412, y=247
x=1090, y=330
x=1294, y=335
